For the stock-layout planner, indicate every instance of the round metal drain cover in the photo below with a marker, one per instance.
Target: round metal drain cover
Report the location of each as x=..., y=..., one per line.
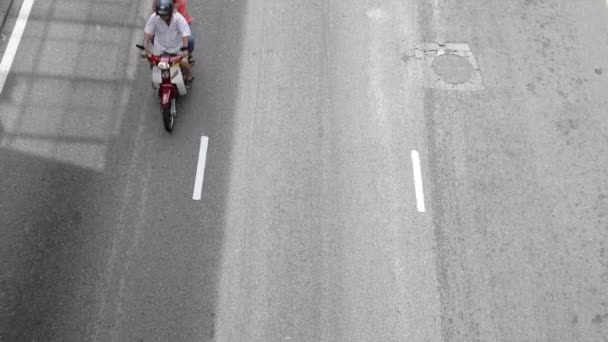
x=452, y=69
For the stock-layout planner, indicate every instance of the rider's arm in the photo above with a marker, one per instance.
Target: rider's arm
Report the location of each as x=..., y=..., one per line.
x=184, y=29
x=147, y=39
x=149, y=31
x=185, y=41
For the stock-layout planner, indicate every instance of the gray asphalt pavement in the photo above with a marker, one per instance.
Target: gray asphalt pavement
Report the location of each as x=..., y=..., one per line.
x=5, y=7
x=309, y=227
x=101, y=238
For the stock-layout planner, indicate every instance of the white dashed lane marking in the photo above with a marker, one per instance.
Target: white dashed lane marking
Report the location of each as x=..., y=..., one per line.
x=418, y=181
x=200, y=169
x=13, y=42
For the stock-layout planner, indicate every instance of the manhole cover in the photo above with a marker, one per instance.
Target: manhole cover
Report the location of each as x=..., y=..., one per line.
x=452, y=69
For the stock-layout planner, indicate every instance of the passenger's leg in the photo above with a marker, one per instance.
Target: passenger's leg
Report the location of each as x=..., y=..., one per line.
x=191, y=40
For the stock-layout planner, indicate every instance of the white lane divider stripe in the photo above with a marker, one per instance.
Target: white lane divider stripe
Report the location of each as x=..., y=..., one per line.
x=13, y=42
x=418, y=181
x=200, y=169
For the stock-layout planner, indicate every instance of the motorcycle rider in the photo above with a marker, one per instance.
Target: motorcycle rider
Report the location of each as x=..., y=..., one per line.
x=181, y=6
x=171, y=34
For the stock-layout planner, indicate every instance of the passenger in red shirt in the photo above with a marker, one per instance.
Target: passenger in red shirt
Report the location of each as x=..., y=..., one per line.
x=181, y=6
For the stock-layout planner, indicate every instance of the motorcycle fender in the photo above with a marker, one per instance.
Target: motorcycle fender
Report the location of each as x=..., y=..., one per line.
x=177, y=78
x=156, y=79
x=165, y=95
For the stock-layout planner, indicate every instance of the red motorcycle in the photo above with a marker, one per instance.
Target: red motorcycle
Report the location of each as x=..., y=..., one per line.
x=168, y=79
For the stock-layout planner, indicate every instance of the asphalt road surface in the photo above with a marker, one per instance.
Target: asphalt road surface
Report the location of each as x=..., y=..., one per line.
x=314, y=224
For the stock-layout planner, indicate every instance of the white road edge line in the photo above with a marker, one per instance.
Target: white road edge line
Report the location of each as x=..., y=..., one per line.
x=418, y=181
x=13, y=42
x=200, y=169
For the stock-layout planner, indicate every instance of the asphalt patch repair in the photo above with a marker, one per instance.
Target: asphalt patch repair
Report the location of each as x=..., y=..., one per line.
x=451, y=66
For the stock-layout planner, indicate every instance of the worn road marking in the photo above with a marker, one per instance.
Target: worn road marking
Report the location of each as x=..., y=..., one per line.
x=13, y=42
x=200, y=169
x=418, y=181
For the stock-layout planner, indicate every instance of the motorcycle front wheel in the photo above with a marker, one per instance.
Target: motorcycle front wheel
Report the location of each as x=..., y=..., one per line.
x=168, y=119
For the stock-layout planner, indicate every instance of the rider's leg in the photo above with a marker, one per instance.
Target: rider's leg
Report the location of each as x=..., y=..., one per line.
x=186, y=70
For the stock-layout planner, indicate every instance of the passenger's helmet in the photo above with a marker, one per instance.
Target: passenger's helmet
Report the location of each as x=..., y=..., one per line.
x=164, y=7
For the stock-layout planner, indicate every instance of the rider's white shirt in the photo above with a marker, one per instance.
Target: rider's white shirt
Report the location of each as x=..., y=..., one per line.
x=168, y=37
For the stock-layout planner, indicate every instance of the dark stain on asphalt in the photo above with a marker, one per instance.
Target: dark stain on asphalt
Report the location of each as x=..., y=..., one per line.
x=574, y=320
x=531, y=87
x=212, y=332
x=598, y=319
x=567, y=126
x=599, y=71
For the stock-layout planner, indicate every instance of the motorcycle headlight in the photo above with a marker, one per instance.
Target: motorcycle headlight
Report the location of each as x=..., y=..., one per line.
x=163, y=65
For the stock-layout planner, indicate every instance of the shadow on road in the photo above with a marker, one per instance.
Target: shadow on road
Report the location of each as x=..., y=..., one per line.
x=96, y=244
